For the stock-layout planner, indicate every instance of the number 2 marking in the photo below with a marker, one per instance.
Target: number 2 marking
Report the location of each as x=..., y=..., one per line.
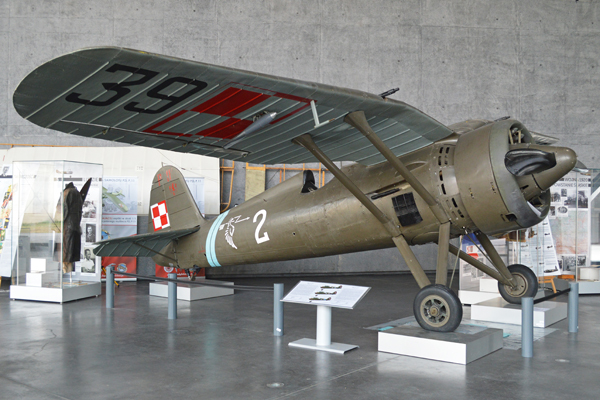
x=265, y=237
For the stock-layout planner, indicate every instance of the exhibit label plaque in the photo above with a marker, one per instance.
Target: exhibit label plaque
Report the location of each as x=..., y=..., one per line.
x=326, y=294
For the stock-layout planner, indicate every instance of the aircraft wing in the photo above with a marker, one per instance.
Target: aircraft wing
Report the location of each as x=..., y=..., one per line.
x=145, y=245
x=172, y=104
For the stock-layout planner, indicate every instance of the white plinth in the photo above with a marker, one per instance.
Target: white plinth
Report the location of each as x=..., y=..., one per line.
x=589, y=273
x=474, y=297
x=40, y=279
x=189, y=292
x=589, y=287
x=488, y=285
x=454, y=347
x=498, y=310
x=56, y=295
x=333, y=347
x=42, y=265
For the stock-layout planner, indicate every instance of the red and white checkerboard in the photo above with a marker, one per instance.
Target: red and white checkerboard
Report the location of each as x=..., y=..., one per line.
x=160, y=216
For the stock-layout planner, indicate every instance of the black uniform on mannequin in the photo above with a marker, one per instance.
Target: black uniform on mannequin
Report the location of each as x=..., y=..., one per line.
x=72, y=211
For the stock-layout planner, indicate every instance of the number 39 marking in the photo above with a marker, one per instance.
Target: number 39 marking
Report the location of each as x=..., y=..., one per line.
x=265, y=237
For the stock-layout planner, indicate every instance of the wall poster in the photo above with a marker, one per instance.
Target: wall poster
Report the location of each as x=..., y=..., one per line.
x=7, y=253
x=119, y=219
x=570, y=220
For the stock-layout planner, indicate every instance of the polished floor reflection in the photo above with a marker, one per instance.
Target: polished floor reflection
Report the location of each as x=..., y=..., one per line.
x=223, y=348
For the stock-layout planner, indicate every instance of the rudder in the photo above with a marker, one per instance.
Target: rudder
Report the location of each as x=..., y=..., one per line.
x=171, y=203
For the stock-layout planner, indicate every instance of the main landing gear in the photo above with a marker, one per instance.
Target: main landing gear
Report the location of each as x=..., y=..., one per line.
x=437, y=308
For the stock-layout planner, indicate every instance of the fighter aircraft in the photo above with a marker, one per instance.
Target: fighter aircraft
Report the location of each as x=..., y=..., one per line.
x=114, y=198
x=414, y=180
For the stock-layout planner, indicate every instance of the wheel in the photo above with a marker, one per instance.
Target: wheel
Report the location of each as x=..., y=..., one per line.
x=527, y=284
x=438, y=309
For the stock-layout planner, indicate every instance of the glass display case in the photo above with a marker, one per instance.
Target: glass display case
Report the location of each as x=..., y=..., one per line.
x=564, y=247
x=55, y=221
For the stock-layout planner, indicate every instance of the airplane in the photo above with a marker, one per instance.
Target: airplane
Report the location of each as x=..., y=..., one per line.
x=114, y=198
x=413, y=180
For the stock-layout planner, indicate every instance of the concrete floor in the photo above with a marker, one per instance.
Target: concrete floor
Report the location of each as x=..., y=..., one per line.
x=223, y=348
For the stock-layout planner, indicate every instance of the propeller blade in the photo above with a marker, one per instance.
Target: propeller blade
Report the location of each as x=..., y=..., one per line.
x=522, y=162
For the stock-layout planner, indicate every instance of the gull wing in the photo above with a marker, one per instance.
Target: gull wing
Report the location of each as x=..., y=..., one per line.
x=168, y=103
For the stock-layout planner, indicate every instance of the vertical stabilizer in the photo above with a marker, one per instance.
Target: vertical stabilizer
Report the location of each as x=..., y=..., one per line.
x=171, y=203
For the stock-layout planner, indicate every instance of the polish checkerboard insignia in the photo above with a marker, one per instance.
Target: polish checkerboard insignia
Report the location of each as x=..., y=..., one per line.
x=160, y=216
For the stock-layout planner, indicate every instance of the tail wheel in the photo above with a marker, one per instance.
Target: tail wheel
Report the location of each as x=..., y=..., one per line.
x=527, y=284
x=438, y=309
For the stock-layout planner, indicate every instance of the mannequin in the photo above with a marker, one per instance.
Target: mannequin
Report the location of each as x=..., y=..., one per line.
x=72, y=211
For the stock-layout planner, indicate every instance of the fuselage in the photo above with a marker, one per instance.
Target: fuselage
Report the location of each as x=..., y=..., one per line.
x=283, y=223
x=462, y=171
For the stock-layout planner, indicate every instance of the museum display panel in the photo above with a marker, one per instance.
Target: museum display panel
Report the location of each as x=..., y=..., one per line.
x=56, y=219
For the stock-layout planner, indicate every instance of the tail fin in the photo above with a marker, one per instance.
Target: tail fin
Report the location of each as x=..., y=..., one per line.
x=171, y=203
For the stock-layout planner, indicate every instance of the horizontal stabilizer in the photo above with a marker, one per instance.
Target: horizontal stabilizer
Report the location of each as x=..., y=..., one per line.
x=146, y=245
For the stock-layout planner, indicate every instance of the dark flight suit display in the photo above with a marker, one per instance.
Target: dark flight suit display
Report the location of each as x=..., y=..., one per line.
x=72, y=211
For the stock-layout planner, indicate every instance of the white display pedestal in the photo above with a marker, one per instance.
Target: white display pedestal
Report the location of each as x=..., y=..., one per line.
x=498, y=310
x=455, y=347
x=589, y=274
x=488, y=289
x=43, y=273
x=488, y=285
x=190, y=292
x=589, y=287
x=56, y=295
x=469, y=297
x=323, y=341
x=41, y=279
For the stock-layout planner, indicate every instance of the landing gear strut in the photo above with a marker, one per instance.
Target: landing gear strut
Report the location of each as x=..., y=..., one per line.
x=437, y=308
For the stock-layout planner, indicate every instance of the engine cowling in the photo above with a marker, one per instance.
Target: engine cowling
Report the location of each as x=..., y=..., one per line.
x=503, y=178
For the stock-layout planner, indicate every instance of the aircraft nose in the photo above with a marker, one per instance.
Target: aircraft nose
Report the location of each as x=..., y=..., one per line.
x=565, y=161
x=539, y=167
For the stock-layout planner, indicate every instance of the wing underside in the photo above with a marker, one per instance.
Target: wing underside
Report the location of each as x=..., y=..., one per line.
x=146, y=245
x=157, y=101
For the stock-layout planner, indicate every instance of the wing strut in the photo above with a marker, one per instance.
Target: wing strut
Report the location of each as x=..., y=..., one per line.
x=413, y=264
x=358, y=120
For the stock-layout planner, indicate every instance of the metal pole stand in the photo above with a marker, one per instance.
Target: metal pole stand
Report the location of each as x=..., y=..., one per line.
x=172, y=297
x=323, y=341
x=527, y=327
x=110, y=287
x=277, y=309
x=573, y=312
x=323, y=326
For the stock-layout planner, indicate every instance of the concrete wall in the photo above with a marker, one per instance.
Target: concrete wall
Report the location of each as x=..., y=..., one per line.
x=536, y=60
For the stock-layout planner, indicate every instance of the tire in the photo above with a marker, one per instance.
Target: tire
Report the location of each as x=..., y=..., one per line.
x=527, y=284
x=437, y=309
